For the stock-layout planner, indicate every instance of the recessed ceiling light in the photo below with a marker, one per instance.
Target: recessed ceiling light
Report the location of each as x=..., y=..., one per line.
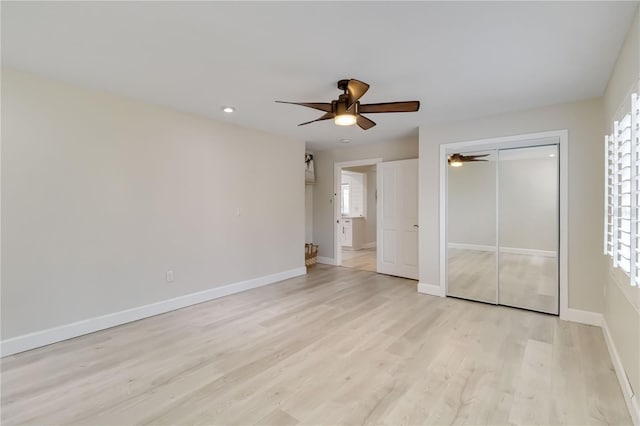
x=345, y=140
x=552, y=155
x=228, y=109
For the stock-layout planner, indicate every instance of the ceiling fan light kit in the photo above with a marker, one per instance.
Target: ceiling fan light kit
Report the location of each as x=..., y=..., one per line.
x=345, y=119
x=346, y=110
x=344, y=116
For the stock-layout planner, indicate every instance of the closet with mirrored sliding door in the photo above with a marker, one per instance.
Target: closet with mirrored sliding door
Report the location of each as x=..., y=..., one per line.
x=502, y=226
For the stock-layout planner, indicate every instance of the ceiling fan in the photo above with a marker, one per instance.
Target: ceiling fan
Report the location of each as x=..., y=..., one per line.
x=456, y=160
x=347, y=110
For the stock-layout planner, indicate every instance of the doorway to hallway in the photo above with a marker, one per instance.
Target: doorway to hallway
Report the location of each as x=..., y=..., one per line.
x=357, y=221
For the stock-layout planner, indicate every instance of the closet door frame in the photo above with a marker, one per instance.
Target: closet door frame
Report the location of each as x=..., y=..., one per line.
x=559, y=137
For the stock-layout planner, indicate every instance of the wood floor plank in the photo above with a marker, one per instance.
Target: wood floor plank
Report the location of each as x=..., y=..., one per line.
x=338, y=346
x=531, y=404
x=279, y=418
x=364, y=259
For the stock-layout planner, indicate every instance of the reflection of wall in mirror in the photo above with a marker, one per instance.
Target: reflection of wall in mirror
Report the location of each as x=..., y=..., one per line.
x=528, y=204
x=471, y=209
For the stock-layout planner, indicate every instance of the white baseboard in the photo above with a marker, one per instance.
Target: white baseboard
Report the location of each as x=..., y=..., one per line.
x=327, y=260
x=52, y=335
x=631, y=400
x=369, y=245
x=514, y=250
x=431, y=289
x=588, y=318
x=597, y=319
x=582, y=317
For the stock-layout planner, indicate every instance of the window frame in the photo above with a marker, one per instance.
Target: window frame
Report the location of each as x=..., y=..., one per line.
x=622, y=193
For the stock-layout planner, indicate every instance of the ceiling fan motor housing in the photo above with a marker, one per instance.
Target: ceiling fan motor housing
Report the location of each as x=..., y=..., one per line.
x=339, y=106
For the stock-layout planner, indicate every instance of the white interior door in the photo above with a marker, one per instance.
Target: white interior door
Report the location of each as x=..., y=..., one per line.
x=398, y=218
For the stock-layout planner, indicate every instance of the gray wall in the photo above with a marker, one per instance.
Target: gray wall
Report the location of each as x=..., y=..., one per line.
x=372, y=211
x=102, y=195
x=308, y=213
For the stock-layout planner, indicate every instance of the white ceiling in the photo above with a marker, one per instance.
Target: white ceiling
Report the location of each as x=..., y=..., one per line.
x=461, y=60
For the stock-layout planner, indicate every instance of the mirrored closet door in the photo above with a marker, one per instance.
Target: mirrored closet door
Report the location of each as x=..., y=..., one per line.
x=502, y=227
x=471, y=223
x=528, y=228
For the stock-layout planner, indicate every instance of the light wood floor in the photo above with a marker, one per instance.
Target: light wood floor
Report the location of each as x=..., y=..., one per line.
x=338, y=346
x=364, y=259
x=526, y=281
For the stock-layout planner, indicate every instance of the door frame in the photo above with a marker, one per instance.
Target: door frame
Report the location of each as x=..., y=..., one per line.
x=337, y=199
x=559, y=137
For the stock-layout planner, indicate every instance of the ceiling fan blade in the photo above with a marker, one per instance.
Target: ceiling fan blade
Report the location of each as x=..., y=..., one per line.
x=355, y=89
x=322, y=106
x=475, y=156
x=410, y=106
x=327, y=116
x=365, y=123
x=471, y=159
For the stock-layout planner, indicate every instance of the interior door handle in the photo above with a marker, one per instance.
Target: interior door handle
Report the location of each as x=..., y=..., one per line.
x=416, y=226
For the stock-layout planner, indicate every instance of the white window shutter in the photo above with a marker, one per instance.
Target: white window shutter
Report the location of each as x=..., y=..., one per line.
x=622, y=193
x=609, y=206
x=622, y=134
x=634, y=139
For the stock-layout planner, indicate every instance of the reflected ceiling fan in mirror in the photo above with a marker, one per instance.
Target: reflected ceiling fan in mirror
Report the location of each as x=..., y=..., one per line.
x=457, y=160
x=347, y=110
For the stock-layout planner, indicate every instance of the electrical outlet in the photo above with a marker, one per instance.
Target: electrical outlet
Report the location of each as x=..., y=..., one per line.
x=169, y=276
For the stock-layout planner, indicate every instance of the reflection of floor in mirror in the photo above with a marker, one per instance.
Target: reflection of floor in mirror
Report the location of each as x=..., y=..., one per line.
x=529, y=282
x=364, y=259
x=472, y=274
x=526, y=281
